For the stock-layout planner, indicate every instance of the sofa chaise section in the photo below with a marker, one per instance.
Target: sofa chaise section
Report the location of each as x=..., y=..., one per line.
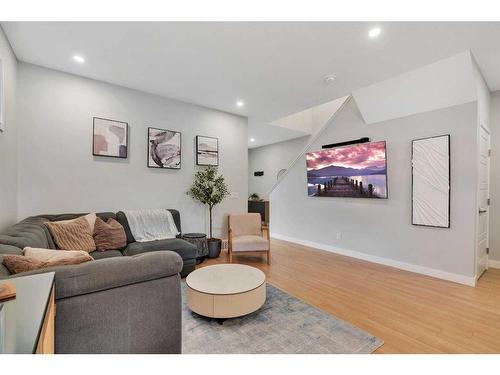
x=117, y=305
x=125, y=301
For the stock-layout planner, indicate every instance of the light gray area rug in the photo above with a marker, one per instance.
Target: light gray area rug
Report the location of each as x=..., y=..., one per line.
x=284, y=325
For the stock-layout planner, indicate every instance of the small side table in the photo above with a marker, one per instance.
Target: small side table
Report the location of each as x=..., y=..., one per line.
x=200, y=241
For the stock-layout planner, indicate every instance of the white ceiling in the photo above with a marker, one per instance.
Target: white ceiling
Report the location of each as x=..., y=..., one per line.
x=275, y=68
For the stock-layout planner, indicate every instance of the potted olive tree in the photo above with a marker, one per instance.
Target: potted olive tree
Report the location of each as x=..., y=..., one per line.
x=210, y=189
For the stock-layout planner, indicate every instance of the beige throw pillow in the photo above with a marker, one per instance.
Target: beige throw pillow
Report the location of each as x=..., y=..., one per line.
x=91, y=218
x=72, y=235
x=49, y=255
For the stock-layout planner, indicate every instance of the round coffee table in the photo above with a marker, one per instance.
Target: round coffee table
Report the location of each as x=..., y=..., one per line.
x=226, y=290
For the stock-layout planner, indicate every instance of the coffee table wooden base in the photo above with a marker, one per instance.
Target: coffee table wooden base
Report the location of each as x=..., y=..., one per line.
x=223, y=306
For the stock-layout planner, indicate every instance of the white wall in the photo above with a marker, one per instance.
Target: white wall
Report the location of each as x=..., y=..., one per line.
x=483, y=95
x=483, y=120
x=271, y=159
x=381, y=230
x=442, y=84
x=495, y=178
x=8, y=139
x=57, y=172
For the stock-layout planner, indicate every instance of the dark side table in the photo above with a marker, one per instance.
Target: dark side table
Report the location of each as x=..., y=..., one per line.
x=200, y=241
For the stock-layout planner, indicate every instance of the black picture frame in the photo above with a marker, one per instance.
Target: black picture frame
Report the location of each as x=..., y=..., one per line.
x=148, y=153
x=449, y=182
x=94, y=135
x=197, y=151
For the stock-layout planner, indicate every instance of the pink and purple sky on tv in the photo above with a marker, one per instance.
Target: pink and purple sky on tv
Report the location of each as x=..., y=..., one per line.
x=364, y=155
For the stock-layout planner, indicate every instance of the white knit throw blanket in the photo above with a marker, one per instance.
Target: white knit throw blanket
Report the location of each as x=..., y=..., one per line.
x=151, y=225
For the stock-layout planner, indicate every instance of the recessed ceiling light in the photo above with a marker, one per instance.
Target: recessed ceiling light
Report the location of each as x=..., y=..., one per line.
x=328, y=80
x=252, y=139
x=240, y=103
x=78, y=59
x=375, y=32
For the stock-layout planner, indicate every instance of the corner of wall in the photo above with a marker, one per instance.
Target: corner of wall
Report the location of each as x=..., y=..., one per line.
x=8, y=138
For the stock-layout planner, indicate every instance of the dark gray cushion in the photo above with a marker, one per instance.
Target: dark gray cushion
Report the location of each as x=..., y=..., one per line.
x=111, y=273
x=12, y=250
x=106, y=254
x=58, y=217
x=32, y=231
x=28, y=232
x=122, y=219
x=4, y=272
x=181, y=247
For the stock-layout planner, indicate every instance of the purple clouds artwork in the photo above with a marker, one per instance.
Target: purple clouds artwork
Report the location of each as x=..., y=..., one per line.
x=355, y=171
x=110, y=138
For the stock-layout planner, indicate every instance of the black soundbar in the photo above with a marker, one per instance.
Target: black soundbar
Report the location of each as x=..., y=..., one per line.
x=354, y=141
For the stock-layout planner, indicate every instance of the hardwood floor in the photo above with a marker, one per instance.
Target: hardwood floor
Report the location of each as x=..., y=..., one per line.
x=412, y=313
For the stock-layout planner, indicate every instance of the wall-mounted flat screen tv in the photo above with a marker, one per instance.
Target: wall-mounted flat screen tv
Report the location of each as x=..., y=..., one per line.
x=354, y=171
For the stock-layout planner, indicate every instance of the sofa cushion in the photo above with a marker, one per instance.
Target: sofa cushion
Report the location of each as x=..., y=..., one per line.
x=109, y=235
x=4, y=272
x=181, y=247
x=60, y=217
x=122, y=219
x=107, y=274
x=28, y=232
x=72, y=235
x=106, y=254
x=12, y=250
x=33, y=233
x=249, y=243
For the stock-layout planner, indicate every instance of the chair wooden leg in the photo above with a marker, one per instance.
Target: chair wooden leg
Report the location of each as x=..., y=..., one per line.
x=230, y=256
x=269, y=257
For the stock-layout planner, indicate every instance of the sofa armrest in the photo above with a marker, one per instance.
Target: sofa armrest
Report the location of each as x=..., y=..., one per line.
x=103, y=274
x=10, y=250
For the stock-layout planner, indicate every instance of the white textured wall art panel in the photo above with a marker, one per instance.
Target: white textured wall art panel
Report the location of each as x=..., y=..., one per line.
x=431, y=181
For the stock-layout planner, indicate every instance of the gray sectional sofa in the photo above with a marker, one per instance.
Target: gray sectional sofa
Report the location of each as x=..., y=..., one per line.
x=126, y=301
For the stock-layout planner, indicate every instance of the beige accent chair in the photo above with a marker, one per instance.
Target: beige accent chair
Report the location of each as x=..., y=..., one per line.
x=245, y=233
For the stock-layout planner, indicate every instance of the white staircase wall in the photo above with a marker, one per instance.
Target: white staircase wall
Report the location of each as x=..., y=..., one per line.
x=381, y=230
x=445, y=83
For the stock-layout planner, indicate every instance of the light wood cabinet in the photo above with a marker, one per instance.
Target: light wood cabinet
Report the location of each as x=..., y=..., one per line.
x=47, y=335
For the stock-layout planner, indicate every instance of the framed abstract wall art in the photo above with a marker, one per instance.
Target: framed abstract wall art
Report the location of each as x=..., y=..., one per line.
x=207, y=150
x=431, y=181
x=110, y=138
x=164, y=148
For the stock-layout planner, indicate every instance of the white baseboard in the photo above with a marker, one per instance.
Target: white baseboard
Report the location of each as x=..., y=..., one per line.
x=493, y=263
x=461, y=279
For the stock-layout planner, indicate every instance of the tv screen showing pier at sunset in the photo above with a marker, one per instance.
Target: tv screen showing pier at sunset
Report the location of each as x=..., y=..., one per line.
x=354, y=171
